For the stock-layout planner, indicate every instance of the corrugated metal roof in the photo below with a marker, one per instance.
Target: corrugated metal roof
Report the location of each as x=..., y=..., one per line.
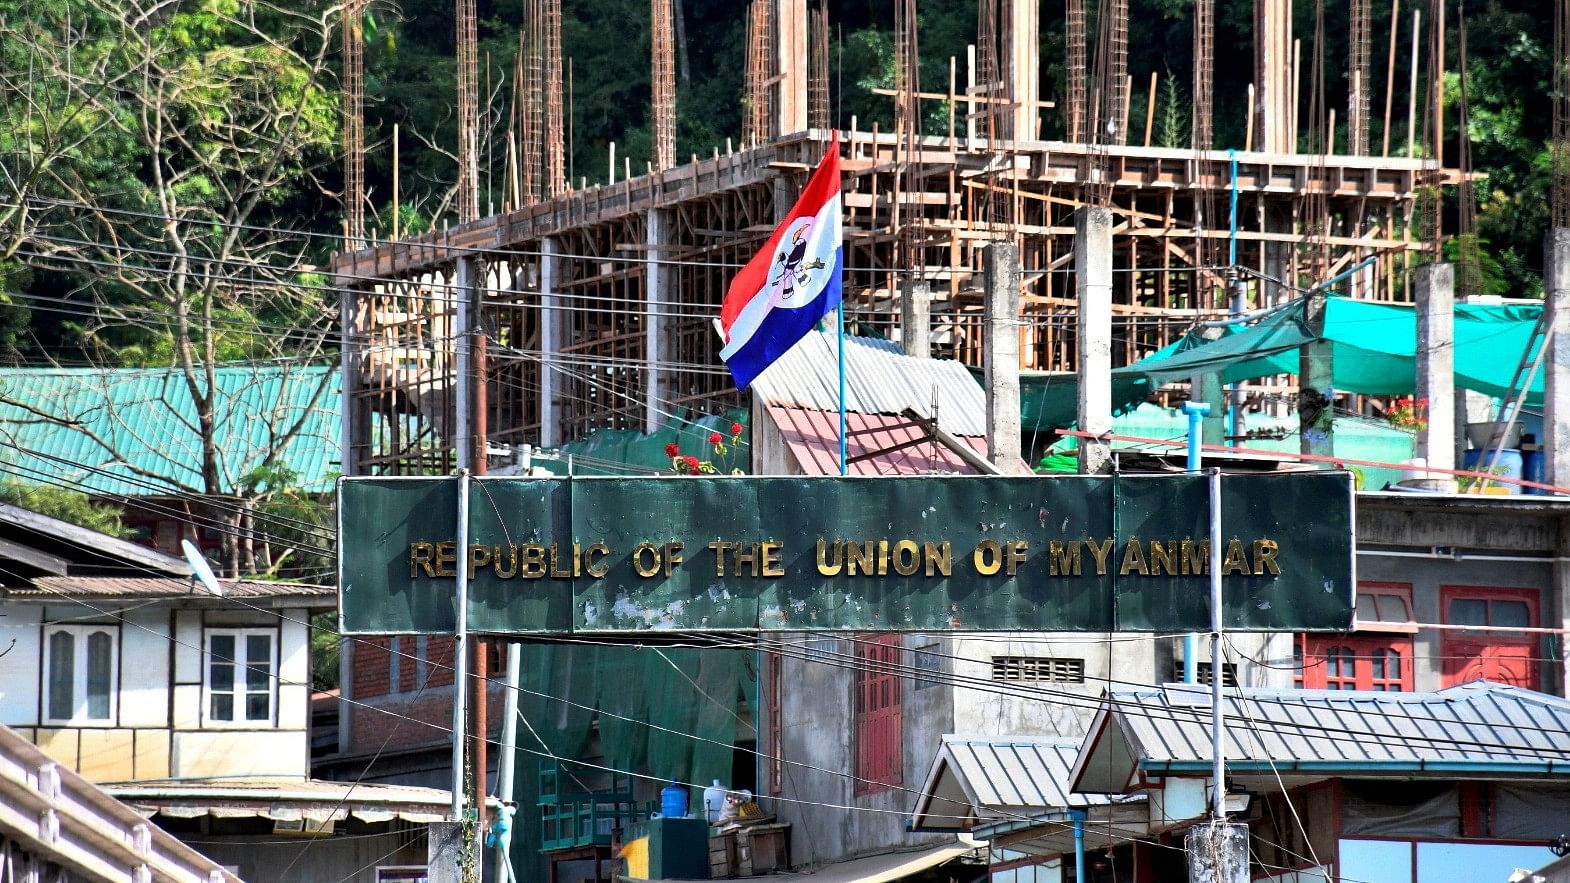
x=813, y=437
x=879, y=379
x=160, y=587
x=1469, y=724
x=134, y=429
x=1018, y=771
x=288, y=799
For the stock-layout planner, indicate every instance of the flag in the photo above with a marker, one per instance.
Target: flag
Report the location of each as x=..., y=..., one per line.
x=792, y=283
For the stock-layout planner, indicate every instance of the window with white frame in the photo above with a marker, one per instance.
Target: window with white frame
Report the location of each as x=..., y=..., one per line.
x=81, y=668
x=240, y=683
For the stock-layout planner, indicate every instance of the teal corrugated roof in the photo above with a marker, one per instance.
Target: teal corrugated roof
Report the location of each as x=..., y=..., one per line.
x=133, y=432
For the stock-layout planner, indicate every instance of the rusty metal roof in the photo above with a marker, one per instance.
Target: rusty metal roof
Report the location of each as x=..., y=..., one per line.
x=896, y=444
x=879, y=379
x=162, y=587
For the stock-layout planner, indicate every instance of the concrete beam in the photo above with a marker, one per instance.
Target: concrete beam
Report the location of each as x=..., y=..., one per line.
x=1435, y=286
x=1316, y=388
x=551, y=317
x=915, y=323
x=659, y=337
x=790, y=19
x=1093, y=286
x=1001, y=307
x=1556, y=414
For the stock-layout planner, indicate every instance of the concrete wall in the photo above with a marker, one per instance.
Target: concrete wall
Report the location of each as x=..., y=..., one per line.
x=818, y=731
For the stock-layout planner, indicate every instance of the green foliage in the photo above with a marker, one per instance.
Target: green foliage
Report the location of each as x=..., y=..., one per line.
x=66, y=505
x=325, y=652
x=1172, y=112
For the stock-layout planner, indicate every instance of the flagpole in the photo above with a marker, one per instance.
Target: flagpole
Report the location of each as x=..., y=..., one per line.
x=844, y=466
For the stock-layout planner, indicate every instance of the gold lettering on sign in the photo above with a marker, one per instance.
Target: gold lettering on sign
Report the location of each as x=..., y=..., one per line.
x=827, y=567
x=1195, y=557
x=672, y=556
x=907, y=558
x=987, y=558
x=533, y=566
x=1063, y=559
x=1265, y=557
x=1101, y=551
x=446, y=557
x=858, y=558
x=653, y=553
x=939, y=558
x=719, y=548
x=1133, y=559
x=1014, y=554
x=1235, y=561
x=1163, y=557
x=479, y=556
x=510, y=570
x=420, y=559
x=771, y=559
x=597, y=568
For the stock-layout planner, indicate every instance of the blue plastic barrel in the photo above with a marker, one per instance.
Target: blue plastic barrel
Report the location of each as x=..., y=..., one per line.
x=1532, y=469
x=1509, y=466
x=673, y=801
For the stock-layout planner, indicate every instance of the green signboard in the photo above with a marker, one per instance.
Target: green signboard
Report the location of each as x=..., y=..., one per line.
x=1062, y=553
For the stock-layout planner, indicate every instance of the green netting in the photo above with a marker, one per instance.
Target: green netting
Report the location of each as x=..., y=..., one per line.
x=651, y=703
x=621, y=451
x=1373, y=349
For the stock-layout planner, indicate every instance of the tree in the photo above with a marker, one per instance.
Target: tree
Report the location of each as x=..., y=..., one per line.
x=161, y=149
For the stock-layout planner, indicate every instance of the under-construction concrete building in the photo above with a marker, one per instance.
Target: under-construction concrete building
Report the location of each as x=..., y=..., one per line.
x=586, y=307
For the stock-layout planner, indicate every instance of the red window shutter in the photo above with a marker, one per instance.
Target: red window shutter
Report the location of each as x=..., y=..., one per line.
x=1358, y=662
x=879, y=724
x=1502, y=657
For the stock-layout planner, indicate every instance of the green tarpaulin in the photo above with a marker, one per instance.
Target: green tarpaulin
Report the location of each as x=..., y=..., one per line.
x=1373, y=351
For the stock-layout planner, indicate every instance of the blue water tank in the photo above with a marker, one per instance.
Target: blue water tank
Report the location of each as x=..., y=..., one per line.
x=1509, y=465
x=674, y=800
x=1533, y=469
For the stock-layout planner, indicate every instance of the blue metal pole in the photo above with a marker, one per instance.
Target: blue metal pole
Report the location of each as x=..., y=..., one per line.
x=840, y=311
x=1079, y=844
x=1232, y=247
x=1196, y=412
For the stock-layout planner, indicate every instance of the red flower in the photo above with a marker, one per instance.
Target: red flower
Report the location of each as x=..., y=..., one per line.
x=715, y=438
x=735, y=430
x=673, y=450
x=691, y=463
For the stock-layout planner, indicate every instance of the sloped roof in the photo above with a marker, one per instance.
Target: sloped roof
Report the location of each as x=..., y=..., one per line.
x=284, y=799
x=133, y=432
x=892, y=445
x=167, y=587
x=879, y=379
x=1478, y=729
x=973, y=779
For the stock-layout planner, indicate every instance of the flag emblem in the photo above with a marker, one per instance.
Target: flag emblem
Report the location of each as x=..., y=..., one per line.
x=791, y=283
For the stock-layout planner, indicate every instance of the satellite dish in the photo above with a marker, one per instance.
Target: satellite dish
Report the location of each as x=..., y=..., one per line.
x=201, y=571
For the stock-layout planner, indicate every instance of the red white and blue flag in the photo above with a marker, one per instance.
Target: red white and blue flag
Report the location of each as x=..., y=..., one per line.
x=792, y=283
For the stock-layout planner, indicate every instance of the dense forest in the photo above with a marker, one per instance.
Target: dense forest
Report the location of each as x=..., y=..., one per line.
x=222, y=114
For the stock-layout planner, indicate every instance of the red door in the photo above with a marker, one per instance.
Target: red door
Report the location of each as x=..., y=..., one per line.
x=879, y=723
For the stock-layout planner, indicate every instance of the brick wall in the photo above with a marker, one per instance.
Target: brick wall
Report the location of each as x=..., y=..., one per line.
x=402, y=689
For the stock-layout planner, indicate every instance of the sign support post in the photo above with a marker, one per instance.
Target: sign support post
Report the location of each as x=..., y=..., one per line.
x=460, y=657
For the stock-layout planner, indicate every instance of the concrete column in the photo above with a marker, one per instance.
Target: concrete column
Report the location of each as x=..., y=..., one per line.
x=1002, y=354
x=659, y=334
x=1273, y=76
x=915, y=322
x=1021, y=59
x=1093, y=287
x=791, y=33
x=1217, y=853
x=1316, y=388
x=1556, y=415
x=350, y=364
x=444, y=852
x=1562, y=591
x=551, y=315
x=1435, y=286
x=464, y=285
